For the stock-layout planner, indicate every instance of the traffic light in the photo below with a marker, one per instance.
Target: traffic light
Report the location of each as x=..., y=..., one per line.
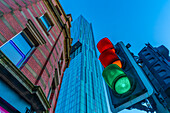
x=155, y=63
x=126, y=82
x=117, y=79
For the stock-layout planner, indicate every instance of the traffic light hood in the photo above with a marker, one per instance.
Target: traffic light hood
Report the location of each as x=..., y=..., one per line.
x=105, y=44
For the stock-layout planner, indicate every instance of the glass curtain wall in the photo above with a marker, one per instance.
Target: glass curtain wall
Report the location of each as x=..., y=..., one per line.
x=82, y=86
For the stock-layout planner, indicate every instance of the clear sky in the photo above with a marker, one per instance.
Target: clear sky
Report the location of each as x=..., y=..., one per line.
x=132, y=21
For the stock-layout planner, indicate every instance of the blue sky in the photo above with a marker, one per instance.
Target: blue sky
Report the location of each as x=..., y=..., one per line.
x=132, y=21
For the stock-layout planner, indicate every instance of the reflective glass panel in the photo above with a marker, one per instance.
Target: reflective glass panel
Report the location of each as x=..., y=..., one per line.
x=21, y=43
x=45, y=22
x=10, y=51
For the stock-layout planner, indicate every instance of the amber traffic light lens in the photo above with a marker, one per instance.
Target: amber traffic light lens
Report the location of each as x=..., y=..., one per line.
x=118, y=62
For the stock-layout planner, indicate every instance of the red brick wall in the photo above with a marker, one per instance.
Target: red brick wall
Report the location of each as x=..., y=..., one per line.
x=40, y=68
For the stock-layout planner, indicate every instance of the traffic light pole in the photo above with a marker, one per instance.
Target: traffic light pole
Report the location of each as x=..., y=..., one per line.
x=159, y=106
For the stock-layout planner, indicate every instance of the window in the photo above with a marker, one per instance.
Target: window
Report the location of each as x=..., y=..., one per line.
x=21, y=46
x=17, y=48
x=45, y=22
x=51, y=92
x=56, y=77
x=58, y=10
x=60, y=62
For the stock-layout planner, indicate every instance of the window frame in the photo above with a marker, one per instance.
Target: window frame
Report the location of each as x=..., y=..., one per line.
x=58, y=9
x=24, y=57
x=56, y=77
x=60, y=63
x=32, y=36
x=51, y=92
x=46, y=15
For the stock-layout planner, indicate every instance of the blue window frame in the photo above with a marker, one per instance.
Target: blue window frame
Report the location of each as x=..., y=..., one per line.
x=46, y=22
x=17, y=49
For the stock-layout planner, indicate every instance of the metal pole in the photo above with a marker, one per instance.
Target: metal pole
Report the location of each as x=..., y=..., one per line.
x=159, y=106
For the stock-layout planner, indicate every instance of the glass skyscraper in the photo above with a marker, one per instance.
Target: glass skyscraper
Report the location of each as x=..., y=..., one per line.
x=82, y=86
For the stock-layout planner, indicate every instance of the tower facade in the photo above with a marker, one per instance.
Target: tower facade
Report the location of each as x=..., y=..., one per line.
x=82, y=86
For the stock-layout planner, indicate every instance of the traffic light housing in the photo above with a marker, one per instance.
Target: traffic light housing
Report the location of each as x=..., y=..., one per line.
x=126, y=82
x=155, y=63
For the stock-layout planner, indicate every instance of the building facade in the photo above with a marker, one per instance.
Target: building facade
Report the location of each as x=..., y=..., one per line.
x=82, y=86
x=35, y=44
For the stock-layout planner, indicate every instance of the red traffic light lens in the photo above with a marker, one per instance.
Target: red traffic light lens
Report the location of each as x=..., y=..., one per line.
x=107, y=57
x=105, y=44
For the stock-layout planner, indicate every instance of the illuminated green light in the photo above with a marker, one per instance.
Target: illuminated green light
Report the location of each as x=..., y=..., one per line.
x=122, y=85
x=116, y=79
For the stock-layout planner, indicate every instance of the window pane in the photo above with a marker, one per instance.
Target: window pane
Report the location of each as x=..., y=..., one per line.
x=11, y=53
x=45, y=22
x=49, y=94
x=21, y=43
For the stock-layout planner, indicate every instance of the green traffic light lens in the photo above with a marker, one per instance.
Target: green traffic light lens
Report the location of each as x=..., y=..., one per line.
x=111, y=73
x=116, y=79
x=122, y=85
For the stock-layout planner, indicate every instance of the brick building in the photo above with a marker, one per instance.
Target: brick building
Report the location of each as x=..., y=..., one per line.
x=35, y=44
